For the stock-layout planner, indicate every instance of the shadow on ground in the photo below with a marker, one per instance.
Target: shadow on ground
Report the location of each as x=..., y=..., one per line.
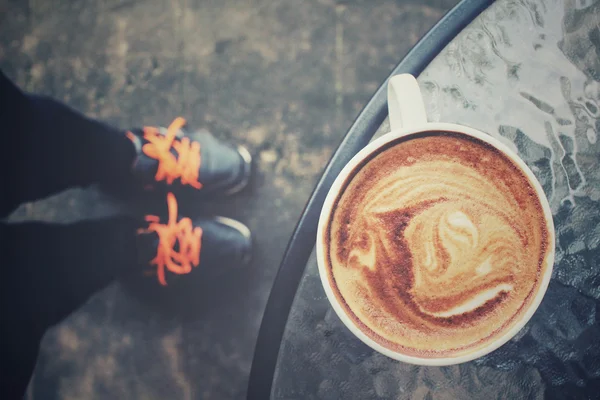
x=285, y=78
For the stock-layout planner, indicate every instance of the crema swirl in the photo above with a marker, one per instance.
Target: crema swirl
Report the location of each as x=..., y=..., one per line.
x=436, y=244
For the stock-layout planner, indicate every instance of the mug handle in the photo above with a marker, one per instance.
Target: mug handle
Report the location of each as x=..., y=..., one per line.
x=405, y=103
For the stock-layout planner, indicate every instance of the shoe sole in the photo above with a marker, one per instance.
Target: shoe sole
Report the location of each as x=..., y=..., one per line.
x=242, y=229
x=241, y=185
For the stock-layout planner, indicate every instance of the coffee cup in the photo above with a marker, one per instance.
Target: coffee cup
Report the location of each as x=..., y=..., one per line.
x=435, y=243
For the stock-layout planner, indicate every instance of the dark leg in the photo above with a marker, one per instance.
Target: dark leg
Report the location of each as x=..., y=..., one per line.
x=48, y=147
x=48, y=271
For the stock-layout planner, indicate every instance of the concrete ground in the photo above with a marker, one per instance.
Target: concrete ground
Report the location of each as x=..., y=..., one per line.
x=286, y=78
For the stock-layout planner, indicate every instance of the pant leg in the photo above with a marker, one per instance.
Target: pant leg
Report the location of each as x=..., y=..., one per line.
x=47, y=147
x=48, y=271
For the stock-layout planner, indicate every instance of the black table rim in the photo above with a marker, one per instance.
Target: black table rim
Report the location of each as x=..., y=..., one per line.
x=302, y=241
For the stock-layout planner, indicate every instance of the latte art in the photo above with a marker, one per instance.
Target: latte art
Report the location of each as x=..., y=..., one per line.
x=436, y=245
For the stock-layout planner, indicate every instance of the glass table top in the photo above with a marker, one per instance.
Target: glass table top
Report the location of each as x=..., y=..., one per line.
x=528, y=73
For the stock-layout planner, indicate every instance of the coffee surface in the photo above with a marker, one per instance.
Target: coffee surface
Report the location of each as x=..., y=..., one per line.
x=436, y=244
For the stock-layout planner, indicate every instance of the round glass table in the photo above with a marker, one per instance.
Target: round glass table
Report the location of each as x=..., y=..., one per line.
x=528, y=73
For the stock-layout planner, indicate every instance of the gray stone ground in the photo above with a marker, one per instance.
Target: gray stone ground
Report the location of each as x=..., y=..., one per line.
x=286, y=78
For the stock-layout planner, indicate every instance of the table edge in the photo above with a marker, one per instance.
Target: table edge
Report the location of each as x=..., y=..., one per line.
x=298, y=251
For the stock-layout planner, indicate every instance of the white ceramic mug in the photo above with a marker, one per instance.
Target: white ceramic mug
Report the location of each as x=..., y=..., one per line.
x=407, y=117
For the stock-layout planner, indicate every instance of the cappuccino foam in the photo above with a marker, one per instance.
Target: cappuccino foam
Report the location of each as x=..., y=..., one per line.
x=436, y=244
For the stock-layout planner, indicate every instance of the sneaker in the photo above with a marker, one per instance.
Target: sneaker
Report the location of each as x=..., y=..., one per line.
x=171, y=160
x=172, y=249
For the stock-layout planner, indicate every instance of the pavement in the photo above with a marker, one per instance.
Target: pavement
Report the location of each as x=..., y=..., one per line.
x=285, y=78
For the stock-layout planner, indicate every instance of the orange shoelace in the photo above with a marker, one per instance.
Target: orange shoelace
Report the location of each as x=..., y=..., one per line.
x=186, y=166
x=182, y=233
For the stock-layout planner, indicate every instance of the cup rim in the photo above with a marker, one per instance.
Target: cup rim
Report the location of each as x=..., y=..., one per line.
x=332, y=195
